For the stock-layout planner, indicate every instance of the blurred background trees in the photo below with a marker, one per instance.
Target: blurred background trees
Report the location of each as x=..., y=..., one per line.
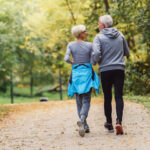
x=34, y=35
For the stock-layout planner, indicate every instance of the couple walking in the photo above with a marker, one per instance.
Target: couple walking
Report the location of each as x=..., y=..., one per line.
x=108, y=50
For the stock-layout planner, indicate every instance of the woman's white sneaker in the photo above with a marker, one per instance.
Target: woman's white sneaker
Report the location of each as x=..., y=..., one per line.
x=81, y=128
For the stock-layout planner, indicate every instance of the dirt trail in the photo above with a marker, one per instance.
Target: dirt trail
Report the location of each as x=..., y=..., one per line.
x=52, y=126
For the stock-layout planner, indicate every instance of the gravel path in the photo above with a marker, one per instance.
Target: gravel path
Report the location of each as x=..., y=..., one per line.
x=52, y=126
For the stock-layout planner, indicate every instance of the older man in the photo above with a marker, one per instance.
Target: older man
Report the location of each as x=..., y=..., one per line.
x=109, y=48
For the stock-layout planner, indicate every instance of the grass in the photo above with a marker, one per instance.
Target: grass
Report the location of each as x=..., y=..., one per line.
x=5, y=99
x=145, y=100
x=25, y=91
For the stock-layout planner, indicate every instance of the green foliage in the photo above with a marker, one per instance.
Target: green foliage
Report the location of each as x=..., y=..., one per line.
x=10, y=39
x=34, y=35
x=137, y=78
x=143, y=22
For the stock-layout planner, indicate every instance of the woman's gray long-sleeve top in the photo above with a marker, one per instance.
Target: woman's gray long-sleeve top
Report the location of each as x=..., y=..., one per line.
x=81, y=52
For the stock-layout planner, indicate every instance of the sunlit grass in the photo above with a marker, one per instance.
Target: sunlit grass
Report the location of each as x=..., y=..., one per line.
x=5, y=98
x=145, y=100
x=53, y=96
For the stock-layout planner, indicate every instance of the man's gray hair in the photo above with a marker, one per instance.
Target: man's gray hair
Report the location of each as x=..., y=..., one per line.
x=106, y=20
x=78, y=29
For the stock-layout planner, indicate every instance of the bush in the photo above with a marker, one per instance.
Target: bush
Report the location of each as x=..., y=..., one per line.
x=137, y=78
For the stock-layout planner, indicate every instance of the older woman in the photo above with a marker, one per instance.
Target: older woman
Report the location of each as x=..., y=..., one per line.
x=82, y=78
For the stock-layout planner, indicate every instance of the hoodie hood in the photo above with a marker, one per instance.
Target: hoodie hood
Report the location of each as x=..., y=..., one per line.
x=110, y=32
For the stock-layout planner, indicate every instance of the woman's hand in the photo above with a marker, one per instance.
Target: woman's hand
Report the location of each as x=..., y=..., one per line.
x=71, y=62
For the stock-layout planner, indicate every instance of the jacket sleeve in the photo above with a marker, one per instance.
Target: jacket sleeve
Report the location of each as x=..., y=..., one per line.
x=97, y=49
x=91, y=55
x=125, y=46
x=68, y=54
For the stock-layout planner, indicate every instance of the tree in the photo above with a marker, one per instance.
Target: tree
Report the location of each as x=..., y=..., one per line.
x=11, y=36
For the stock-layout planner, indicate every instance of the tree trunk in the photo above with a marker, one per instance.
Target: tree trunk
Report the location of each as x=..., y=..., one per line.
x=71, y=12
x=31, y=83
x=11, y=89
x=106, y=6
x=60, y=82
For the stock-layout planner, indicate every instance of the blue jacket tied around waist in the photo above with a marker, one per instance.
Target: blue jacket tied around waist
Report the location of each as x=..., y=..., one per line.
x=82, y=79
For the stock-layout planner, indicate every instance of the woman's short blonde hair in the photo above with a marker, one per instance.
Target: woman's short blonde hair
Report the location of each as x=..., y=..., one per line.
x=77, y=30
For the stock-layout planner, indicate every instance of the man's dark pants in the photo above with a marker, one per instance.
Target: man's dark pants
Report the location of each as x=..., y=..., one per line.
x=108, y=79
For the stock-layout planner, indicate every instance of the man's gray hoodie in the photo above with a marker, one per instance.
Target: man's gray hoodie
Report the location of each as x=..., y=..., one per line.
x=109, y=49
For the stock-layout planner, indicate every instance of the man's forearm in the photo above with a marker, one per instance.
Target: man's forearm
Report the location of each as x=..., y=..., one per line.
x=97, y=56
x=97, y=49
